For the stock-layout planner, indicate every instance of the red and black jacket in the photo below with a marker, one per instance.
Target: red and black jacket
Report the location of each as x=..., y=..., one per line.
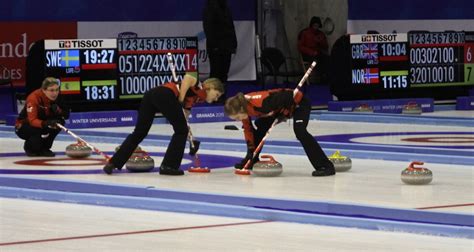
x=275, y=102
x=37, y=110
x=195, y=94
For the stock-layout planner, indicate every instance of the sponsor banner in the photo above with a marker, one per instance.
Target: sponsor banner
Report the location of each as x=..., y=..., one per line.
x=208, y=114
x=102, y=119
x=382, y=106
x=79, y=44
x=403, y=26
x=243, y=62
x=378, y=38
x=16, y=40
x=465, y=103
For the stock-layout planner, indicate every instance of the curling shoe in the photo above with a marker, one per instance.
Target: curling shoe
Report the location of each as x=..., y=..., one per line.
x=324, y=171
x=108, y=168
x=166, y=170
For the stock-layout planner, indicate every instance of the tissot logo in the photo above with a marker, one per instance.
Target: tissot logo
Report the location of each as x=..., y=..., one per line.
x=65, y=44
x=95, y=43
x=379, y=38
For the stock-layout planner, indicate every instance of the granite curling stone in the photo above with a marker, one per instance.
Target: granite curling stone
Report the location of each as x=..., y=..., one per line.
x=364, y=108
x=140, y=161
x=416, y=175
x=412, y=108
x=78, y=150
x=136, y=149
x=267, y=168
x=341, y=163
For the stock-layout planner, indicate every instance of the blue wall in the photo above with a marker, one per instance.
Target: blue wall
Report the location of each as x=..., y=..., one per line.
x=117, y=10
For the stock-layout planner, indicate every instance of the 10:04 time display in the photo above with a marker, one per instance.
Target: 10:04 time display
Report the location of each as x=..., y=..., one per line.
x=94, y=93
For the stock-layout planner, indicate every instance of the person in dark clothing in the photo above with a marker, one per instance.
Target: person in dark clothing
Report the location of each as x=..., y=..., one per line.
x=170, y=99
x=221, y=41
x=276, y=104
x=36, y=123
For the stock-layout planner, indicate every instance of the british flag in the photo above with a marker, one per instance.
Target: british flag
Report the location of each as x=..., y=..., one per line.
x=371, y=75
x=370, y=51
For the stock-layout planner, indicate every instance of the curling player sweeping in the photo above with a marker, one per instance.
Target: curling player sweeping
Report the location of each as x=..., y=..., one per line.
x=280, y=105
x=169, y=99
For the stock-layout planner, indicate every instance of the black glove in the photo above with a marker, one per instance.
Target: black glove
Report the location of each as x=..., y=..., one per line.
x=55, y=109
x=51, y=123
x=248, y=157
x=193, y=151
x=280, y=117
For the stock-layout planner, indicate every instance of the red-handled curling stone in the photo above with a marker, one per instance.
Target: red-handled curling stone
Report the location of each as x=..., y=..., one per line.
x=267, y=168
x=78, y=150
x=140, y=161
x=416, y=175
x=412, y=108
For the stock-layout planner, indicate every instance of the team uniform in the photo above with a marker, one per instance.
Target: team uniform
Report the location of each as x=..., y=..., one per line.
x=162, y=99
x=280, y=104
x=32, y=123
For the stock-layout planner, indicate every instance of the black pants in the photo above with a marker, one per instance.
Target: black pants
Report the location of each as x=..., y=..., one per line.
x=160, y=99
x=36, y=139
x=219, y=63
x=313, y=150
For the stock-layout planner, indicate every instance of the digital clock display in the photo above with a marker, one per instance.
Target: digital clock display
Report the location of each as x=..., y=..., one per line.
x=407, y=65
x=115, y=73
x=380, y=61
x=86, y=68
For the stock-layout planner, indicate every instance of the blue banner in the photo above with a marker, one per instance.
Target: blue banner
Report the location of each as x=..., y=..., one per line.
x=208, y=114
x=102, y=119
x=382, y=106
x=465, y=103
x=410, y=10
x=117, y=10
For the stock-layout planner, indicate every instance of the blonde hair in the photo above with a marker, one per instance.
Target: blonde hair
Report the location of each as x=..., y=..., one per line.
x=49, y=81
x=216, y=84
x=236, y=104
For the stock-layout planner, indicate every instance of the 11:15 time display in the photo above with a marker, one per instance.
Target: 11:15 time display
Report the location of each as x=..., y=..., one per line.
x=393, y=81
x=94, y=93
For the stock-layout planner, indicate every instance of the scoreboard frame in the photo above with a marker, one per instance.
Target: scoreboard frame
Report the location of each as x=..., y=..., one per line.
x=104, y=74
x=406, y=65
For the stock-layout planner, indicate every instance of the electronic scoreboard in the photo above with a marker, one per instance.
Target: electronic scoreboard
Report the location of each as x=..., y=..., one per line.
x=115, y=73
x=414, y=64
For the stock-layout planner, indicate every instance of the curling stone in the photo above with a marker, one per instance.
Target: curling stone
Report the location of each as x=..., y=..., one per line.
x=140, y=161
x=136, y=149
x=364, y=108
x=341, y=163
x=78, y=150
x=412, y=108
x=267, y=168
x=416, y=175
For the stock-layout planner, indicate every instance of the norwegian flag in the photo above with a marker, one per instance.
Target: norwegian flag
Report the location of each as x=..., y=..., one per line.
x=370, y=51
x=371, y=75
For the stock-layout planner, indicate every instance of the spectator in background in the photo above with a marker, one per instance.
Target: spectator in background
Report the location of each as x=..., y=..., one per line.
x=220, y=36
x=313, y=46
x=37, y=121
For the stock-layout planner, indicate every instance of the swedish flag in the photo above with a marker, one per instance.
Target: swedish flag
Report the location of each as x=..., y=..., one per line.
x=69, y=58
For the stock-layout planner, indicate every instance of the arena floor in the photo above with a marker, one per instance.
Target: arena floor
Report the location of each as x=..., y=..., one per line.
x=64, y=204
